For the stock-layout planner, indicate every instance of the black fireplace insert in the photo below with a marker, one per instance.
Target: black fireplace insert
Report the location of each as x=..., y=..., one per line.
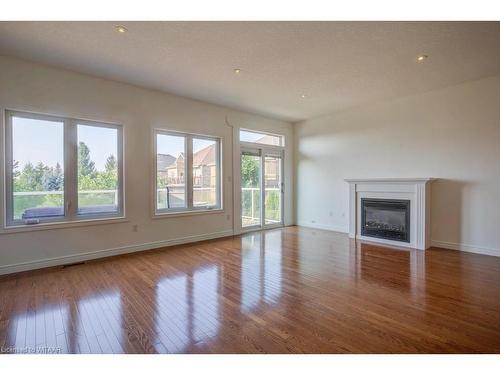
x=386, y=218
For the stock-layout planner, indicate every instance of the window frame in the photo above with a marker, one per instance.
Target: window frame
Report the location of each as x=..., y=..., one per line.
x=188, y=173
x=70, y=153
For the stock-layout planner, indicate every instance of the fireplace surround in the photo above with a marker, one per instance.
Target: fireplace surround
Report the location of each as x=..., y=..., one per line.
x=413, y=192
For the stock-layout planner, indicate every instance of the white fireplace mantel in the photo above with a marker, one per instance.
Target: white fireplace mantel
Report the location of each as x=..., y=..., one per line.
x=416, y=190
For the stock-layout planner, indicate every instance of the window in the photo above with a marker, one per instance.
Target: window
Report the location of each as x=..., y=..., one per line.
x=97, y=169
x=38, y=168
x=205, y=174
x=170, y=172
x=187, y=172
x=261, y=138
x=61, y=169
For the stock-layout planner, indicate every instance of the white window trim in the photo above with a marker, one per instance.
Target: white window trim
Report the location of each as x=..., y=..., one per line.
x=188, y=173
x=70, y=150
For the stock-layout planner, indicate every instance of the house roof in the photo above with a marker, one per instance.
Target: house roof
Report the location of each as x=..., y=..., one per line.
x=269, y=140
x=165, y=160
x=205, y=156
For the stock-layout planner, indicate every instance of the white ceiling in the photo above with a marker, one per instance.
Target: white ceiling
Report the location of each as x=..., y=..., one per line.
x=338, y=65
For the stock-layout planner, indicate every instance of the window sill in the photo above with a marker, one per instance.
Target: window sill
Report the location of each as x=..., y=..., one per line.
x=62, y=225
x=164, y=215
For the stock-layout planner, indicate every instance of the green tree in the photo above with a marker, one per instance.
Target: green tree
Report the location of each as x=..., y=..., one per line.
x=55, y=178
x=40, y=175
x=30, y=178
x=110, y=164
x=44, y=178
x=99, y=180
x=15, y=169
x=86, y=167
x=273, y=205
x=249, y=171
x=15, y=174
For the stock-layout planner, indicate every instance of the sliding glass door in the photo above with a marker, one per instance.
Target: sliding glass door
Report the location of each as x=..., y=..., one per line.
x=261, y=188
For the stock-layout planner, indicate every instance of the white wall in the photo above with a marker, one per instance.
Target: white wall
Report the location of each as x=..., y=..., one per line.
x=452, y=134
x=33, y=87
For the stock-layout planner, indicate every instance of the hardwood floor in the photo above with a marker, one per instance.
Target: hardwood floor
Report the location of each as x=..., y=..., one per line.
x=291, y=290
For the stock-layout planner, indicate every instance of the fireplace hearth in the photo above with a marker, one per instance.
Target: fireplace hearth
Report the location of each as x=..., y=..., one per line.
x=386, y=219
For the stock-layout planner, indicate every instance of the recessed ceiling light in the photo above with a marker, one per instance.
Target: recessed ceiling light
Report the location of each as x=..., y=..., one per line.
x=121, y=29
x=303, y=96
x=422, y=58
x=237, y=71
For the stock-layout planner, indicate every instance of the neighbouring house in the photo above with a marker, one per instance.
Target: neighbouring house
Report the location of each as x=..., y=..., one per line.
x=171, y=169
x=204, y=168
x=171, y=173
x=164, y=161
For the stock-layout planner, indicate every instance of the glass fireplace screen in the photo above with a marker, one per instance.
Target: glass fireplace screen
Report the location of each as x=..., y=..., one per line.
x=386, y=218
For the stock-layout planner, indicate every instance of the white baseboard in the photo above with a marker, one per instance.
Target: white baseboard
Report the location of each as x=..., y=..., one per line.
x=467, y=248
x=435, y=243
x=68, y=259
x=333, y=228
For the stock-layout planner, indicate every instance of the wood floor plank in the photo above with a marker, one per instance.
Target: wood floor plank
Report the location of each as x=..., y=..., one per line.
x=289, y=290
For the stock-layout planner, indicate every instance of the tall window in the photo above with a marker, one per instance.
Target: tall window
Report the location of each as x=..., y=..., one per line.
x=61, y=169
x=97, y=169
x=187, y=172
x=37, y=168
x=170, y=172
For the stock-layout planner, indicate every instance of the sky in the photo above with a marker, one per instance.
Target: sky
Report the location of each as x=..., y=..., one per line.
x=42, y=141
x=169, y=144
x=200, y=144
x=37, y=140
x=102, y=143
x=174, y=145
x=247, y=136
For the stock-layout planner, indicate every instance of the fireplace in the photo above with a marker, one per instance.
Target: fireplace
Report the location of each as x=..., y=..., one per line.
x=386, y=219
x=409, y=197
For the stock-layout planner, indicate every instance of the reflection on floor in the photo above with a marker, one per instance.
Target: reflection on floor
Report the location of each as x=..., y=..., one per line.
x=290, y=290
